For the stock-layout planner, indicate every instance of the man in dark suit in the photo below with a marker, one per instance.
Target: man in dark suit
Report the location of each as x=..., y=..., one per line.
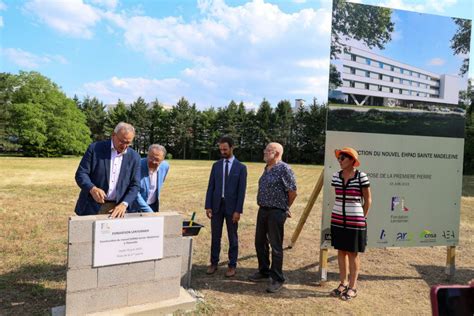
x=224, y=201
x=109, y=175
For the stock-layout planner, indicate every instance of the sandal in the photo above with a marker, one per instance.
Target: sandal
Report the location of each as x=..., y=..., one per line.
x=346, y=296
x=336, y=292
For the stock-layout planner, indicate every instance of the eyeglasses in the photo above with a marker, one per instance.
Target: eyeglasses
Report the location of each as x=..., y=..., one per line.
x=268, y=151
x=343, y=156
x=123, y=142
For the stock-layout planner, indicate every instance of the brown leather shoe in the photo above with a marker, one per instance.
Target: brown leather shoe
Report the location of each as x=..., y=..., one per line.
x=230, y=272
x=211, y=269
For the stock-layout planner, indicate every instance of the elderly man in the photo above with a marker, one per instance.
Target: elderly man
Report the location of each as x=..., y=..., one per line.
x=154, y=169
x=109, y=175
x=276, y=193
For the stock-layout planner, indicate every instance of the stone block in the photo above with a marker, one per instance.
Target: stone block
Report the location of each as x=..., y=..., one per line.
x=79, y=255
x=141, y=271
x=186, y=261
x=81, y=303
x=168, y=268
x=81, y=230
x=154, y=291
x=81, y=279
x=113, y=275
x=172, y=247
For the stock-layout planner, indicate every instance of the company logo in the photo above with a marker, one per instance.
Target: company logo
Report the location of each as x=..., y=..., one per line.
x=105, y=228
x=427, y=236
x=382, y=237
x=449, y=235
x=327, y=236
x=398, y=203
x=404, y=236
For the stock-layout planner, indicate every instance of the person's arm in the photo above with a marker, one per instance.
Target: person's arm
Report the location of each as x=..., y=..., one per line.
x=209, y=193
x=143, y=205
x=291, y=197
x=83, y=179
x=242, y=186
x=367, y=200
x=132, y=190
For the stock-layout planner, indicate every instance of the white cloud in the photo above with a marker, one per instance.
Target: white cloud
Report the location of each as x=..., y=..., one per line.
x=72, y=18
x=107, y=4
x=1, y=21
x=299, y=1
x=28, y=60
x=3, y=6
x=129, y=89
x=235, y=52
x=436, y=62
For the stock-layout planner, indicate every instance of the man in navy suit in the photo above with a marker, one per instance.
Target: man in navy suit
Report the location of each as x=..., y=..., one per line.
x=154, y=169
x=109, y=175
x=224, y=201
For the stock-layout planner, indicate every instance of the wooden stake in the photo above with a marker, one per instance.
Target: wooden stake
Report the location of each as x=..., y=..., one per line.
x=308, y=208
x=451, y=261
x=323, y=264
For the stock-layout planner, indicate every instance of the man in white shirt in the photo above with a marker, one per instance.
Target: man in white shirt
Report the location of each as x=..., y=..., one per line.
x=109, y=175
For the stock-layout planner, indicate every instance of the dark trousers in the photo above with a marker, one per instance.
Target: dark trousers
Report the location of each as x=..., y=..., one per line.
x=270, y=230
x=217, y=222
x=155, y=206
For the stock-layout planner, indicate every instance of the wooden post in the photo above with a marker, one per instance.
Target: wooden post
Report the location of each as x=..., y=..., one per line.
x=308, y=208
x=323, y=264
x=451, y=261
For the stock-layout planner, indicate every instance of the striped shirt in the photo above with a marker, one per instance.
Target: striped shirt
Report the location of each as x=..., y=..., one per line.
x=347, y=211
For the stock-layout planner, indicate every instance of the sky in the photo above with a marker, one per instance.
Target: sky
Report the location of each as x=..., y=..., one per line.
x=209, y=51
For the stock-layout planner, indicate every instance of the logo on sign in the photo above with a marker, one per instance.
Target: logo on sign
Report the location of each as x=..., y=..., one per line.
x=449, y=234
x=404, y=236
x=398, y=204
x=327, y=236
x=427, y=236
x=382, y=237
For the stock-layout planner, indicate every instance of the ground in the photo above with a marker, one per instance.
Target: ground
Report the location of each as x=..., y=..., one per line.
x=38, y=195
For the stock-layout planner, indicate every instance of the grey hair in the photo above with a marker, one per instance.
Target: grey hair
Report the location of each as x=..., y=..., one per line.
x=124, y=126
x=158, y=147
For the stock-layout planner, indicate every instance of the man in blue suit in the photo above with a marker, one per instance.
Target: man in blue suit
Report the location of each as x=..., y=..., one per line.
x=224, y=201
x=109, y=175
x=153, y=174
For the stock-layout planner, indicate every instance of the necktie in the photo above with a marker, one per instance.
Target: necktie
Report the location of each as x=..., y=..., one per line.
x=226, y=174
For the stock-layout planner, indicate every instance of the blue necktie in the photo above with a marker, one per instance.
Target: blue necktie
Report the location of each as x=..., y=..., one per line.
x=226, y=173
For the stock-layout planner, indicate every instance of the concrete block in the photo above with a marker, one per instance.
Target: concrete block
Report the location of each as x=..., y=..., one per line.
x=185, y=303
x=168, y=268
x=141, y=271
x=81, y=279
x=186, y=261
x=81, y=230
x=113, y=275
x=81, y=303
x=172, y=247
x=173, y=225
x=79, y=255
x=152, y=292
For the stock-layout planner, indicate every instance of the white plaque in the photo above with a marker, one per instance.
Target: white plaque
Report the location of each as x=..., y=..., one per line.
x=126, y=240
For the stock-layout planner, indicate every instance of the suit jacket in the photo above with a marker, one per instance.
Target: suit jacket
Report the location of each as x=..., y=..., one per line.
x=94, y=170
x=234, y=189
x=140, y=203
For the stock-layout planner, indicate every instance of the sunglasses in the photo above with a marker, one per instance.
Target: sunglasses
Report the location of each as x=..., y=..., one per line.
x=343, y=156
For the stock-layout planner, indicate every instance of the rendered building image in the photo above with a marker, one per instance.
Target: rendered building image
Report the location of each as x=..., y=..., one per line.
x=371, y=79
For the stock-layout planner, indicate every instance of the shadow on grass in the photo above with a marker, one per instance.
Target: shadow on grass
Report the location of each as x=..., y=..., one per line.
x=433, y=275
x=24, y=291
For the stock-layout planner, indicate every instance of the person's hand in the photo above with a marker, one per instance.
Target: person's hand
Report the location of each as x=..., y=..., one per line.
x=118, y=211
x=235, y=217
x=98, y=195
x=209, y=213
x=288, y=214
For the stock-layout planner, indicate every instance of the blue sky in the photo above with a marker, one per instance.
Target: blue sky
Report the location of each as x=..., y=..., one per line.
x=209, y=51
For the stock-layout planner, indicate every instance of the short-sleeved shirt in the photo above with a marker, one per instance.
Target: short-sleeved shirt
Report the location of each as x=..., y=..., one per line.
x=348, y=211
x=274, y=185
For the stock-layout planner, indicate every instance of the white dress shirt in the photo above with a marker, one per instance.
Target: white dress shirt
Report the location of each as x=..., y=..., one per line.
x=115, y=165
x=231, y=161
x=153, y=186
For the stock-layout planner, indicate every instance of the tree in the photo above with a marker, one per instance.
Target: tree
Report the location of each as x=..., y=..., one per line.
x=181, y=121
x=138, y=116
x=335, y=80
x=96, y=116
x=461, y=41
x=117, y=114
x=43, y=120
x=370, y=24
x=283, y=122
x=264, y=123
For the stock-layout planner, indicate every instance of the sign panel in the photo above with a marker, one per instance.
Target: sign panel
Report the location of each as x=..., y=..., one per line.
x=128, y=240
x=401, y=109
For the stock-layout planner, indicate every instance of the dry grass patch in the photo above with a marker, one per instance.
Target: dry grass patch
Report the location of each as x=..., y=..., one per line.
x=38, y=195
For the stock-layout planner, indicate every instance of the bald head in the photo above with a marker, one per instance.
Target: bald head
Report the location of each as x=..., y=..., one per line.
x=273, y=153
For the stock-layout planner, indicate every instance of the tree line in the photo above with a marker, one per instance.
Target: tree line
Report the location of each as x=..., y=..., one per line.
x=38, y=119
